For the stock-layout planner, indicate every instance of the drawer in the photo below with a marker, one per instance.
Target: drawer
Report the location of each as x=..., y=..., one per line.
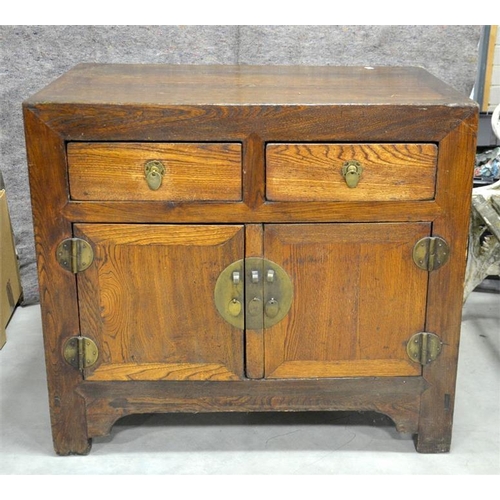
x=190, y=171
x=313, y=172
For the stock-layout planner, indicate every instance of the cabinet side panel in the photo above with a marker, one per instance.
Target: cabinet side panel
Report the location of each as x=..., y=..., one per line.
x=445, y=300
x=47, y=171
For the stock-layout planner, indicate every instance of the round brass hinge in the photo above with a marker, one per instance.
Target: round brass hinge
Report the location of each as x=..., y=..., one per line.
x=74, y=254
x=430, y=253
x=80, y=352
x=424, y=347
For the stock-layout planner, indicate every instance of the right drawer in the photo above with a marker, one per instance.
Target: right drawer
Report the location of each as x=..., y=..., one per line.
x=376, y=172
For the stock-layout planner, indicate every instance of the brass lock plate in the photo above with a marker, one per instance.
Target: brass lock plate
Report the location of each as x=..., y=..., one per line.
x=229, y=294
x=278, y=293
x=253, y=293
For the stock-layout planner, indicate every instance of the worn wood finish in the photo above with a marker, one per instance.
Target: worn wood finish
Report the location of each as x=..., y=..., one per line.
x=115, y=171
x=254, y=247
x=444, y=310
x=231, y=103
x=415, y=123
x=253, y=172
x=58, y=295
x=398, y=398
x=233, y=213
x=147, y=302
x=358, y=296
x=146, y=84
x=313, y=172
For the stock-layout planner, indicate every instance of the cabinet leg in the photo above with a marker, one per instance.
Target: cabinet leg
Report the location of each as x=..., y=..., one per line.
x=69, y=426
x=65, y=448
x=434, y=432
x=426, y=444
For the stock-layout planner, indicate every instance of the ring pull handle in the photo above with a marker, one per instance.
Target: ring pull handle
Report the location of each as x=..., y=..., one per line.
x=154, y=170
x=352, y=170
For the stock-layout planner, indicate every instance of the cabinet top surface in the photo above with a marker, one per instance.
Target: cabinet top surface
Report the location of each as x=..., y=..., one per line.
x=220, y=85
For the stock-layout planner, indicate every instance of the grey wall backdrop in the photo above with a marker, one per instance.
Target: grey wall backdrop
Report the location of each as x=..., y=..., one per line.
x=33, y=56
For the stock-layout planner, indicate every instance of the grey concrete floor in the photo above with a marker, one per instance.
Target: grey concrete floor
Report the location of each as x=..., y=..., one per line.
x=304, y=443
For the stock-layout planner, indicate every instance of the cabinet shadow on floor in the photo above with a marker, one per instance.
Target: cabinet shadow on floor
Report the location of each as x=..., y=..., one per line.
x=258, y=431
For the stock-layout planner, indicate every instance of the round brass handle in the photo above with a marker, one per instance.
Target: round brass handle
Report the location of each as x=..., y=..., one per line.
x=154, y=170
x=352, y=170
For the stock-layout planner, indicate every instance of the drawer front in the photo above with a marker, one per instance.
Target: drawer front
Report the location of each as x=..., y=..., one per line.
x=191, y=171
x=314, y=172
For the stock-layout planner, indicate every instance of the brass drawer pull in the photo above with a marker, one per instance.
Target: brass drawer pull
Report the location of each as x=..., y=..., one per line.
x=352, y=170
x=154, y=170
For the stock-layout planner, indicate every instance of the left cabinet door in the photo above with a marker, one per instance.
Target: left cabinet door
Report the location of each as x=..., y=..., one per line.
x=147, y=301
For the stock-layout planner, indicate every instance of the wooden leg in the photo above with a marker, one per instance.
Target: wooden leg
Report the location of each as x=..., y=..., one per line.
x=69, y=428
x=435, y=423
x=430, y=444
x=82, y=448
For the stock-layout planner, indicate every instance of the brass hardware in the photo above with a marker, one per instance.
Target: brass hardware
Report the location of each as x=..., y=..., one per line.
x=154, y=170
x=278, y=294
x=255, y=306
x=352, y=170
x=229, y=293
x=74, y=254
x=267, y=301
x=424, y=347
x=431, y=253
x=234, y=307
x=272, y=308
x=254, y=293
x=80, y=352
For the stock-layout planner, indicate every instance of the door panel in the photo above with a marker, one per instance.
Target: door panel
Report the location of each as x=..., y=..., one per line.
x=148, y=301
x=358, y=297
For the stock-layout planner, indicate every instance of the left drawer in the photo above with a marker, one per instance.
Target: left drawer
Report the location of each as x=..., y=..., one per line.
x=139, y=171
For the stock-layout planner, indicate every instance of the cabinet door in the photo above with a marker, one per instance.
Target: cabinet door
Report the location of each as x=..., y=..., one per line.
x=358, y=298
x=147, y=302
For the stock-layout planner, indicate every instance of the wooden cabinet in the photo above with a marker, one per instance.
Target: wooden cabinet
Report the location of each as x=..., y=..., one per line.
x=223, y=238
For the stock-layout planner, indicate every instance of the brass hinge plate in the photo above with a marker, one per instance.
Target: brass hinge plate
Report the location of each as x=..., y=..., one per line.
x=253, y=293
x=424, y=347
x=80, y=352
x=74, y=254
x=430, y=253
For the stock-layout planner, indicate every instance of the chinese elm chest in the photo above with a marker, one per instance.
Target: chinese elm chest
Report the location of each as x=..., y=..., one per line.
x=250, y=238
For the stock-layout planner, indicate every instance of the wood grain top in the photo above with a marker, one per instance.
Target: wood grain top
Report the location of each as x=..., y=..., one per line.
x=220, y=85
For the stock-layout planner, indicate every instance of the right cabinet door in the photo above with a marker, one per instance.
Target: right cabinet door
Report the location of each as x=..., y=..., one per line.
x=357, y=298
